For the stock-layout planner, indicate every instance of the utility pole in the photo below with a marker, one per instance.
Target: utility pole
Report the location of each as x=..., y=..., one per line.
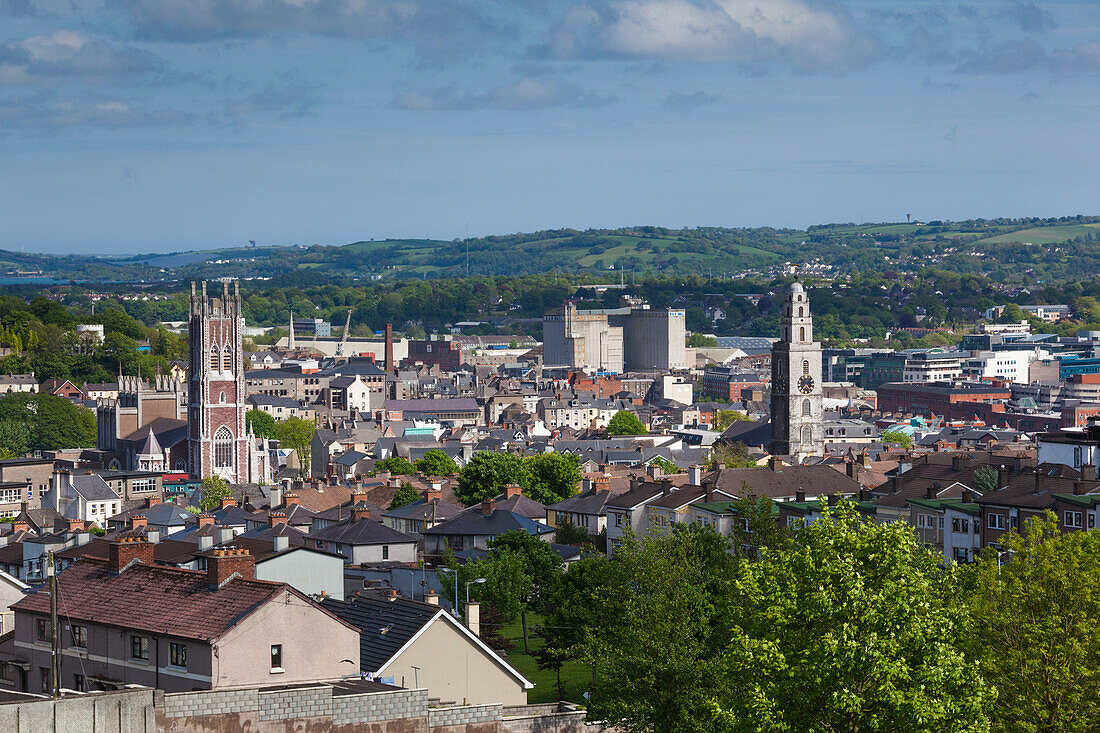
x=55, y=632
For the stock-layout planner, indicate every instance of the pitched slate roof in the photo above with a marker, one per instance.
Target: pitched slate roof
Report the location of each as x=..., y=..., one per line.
x=421, y=509
x=386, y=626
x=589, y=502
x=360, y=532
x=401, y=619
x=154, y=599
x=93, y=488
x=475, y=522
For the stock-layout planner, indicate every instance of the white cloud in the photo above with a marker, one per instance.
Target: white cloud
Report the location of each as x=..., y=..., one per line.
x=808, y=34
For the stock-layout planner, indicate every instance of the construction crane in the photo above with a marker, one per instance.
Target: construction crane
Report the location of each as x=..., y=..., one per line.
x=344, y=336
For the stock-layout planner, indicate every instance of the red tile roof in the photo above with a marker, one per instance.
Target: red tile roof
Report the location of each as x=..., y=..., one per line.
x=154, y=599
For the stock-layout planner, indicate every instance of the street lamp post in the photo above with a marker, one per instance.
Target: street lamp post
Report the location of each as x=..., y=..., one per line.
x=472, y=582
x=454, y=573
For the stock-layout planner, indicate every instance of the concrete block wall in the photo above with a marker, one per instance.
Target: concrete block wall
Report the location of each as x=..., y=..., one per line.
x=448, y=717
x=552, y=723
x=129, y=711
x=379, y=706
x=211, y=702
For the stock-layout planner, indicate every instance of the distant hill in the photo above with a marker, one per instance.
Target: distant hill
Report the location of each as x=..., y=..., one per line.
x=1062, y=249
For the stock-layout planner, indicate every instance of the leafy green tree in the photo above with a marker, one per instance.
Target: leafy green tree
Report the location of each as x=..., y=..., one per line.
x=528, y=587
x=568, y=533
x=214, y=489
x=1035, y=632
x=699, y=340
x=437, y=463
x=896, y=437
x=735, y=455
x=724, y=418
x=552, y=477
x=486, y=475
x=757, y=525
x=986, y=479
x=659, y=641
x=260, y=423
x=297, y=434
x=396, y=465
x=1012, y=314
x=406, y=494
x=624, y=422
x=13, y=438
x=48, y=422
x=665, y=465
x=855, y=627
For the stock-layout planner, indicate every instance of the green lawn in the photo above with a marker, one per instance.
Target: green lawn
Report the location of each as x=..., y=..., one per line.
x=1046, y=235
x=574, y=675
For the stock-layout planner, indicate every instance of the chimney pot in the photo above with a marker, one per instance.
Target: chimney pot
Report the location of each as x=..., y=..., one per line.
x=224, y=562
x=125, y=551
x=800, y=495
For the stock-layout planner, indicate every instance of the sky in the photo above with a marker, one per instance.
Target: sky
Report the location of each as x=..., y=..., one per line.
x=166, y=125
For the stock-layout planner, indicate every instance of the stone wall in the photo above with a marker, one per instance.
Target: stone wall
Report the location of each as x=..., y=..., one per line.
x=458, y=716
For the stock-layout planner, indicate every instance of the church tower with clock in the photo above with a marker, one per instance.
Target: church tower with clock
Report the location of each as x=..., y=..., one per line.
x=798, y=418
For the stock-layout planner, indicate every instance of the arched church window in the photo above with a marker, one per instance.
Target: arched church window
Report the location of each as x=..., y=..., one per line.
x=221, y=398
x=214, y=360
x=805, y=368
x=801, y=333
x=227, y=359
x=799, y=311
x=807, y=437
x=805, y=408
x=223, y=448
x=181, y=464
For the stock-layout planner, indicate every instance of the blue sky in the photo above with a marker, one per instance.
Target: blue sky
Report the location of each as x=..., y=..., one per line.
x=155, y=125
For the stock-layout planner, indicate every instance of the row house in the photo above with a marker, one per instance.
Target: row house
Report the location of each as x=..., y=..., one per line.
x=130, y=622
x=951, y=526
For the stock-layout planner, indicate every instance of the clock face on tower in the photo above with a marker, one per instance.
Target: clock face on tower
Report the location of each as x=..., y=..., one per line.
x=806, y=385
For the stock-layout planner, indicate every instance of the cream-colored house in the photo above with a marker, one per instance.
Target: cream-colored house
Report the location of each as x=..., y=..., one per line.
x=419, y=645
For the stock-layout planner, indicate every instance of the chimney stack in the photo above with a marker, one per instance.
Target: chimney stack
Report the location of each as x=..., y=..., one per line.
x=152, y=501
x=290, y=499
x=433, y=494
x=1088, y=472
x=800, y=496
x=852, y=470
x=358, y=495
x=389, y=348
x=228, y=501
x=359, y=513
x=125, y=551
x=276, y=518
x=431, y=598
x=487, y=507
x=77, y=525
x=206, y=518
x=832, y=499
x=956, y=463
x=1079, y=488
x=512, y=490
x=275, y=498
x=1002, y=477
x=473, y=617
x=225, y=563
x=930, y=492
x=695, y=475
x=138, y=521
x=281, y=542
x=967, y=496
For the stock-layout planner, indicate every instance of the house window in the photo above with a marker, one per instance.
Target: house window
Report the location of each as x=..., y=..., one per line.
x=177, y=654
x=139, y=647
x=223, y=448
x=996, y=521
x=1074, y=520
x=276, y=657
x=385, y=552
x=44, y=676
x=80, y=636
x=42, y=630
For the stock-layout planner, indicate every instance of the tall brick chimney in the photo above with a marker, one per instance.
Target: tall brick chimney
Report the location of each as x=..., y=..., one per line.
x=360, y=512
x=433, y=494
x=225, y=562
x=228, y=501
x=127, y=550
x=138, y=521
x=290, y=500
x=487, y=507
x=205, y=519
x=512, y=490
x=389, y=348
x=276, y=518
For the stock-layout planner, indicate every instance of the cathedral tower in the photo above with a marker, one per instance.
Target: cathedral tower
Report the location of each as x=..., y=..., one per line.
x=217, y=442
x=798, y=419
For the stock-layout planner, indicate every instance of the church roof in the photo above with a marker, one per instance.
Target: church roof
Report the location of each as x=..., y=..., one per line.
x=150, y=447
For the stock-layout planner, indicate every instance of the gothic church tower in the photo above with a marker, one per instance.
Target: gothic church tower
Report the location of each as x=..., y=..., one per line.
x=798, y=418
x=217, y=442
